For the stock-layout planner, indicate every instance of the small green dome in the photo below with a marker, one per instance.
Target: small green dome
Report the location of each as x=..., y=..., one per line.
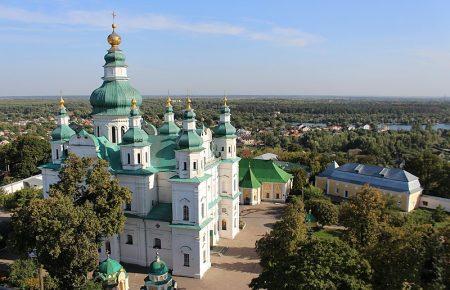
x=109, y=266
x=189, y=114
x=62, y=133
x=225, y=110
x=114, y=98
x=169, y=128
x=224, y=129
x=158, y=267
x=189, y=140
x=134, y=135
x=115, y=58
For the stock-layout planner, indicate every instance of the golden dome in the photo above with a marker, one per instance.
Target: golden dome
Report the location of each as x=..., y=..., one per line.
x=61, y=102
x=133, y=103
x=168, y=102
x=114, y=38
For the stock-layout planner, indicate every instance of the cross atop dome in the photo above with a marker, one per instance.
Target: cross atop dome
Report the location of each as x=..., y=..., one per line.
x=114, y=39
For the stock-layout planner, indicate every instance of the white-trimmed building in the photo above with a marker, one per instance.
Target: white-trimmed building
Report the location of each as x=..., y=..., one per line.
x=184, y=181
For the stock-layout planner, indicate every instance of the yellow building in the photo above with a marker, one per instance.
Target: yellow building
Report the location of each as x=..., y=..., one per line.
x=344, y=181
x=263, y=180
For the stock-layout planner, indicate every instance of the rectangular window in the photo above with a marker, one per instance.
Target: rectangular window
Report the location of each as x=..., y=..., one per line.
x=157, y=244
x=186, y=260
x=129, y=240
x=139, y=158
x=223, y=148
x=229, y=149
x=184, y=166
x=57, y=154
x=346, y=194
x=337, y=190
x=146, y=157
x=195, y=165
x=128, y=206
x=425, y=203
x=204, y=256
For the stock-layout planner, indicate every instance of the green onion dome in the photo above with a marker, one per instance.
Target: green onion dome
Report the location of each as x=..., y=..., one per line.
x=115, y=58
x=169, y=128
x=109, y=266
x=158, y=267
x=134, y=135
x=62, y=133
x=189, y=140
x=114, y=98
x=224, y=130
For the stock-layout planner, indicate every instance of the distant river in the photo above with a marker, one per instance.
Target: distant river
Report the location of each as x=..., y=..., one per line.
x=400, y=127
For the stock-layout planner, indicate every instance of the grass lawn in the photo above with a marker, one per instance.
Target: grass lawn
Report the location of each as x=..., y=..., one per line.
x=328, y=234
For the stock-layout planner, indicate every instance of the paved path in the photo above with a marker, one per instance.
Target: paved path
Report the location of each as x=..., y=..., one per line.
x=239, y=263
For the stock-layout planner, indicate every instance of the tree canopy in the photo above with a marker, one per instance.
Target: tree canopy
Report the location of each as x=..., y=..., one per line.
x=65, y=229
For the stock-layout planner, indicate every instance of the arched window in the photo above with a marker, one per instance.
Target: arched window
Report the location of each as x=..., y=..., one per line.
x=139, y=158
x=157, y=244
x=107, y=247
x=224, y=225
x=129, y=158
x=129, y=240
x=114, y=134
x=185, y=213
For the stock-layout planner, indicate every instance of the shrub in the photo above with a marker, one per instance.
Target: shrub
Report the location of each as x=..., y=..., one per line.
x=439, y=214
x=324, y=210
x=312, y=192
x=23, y=273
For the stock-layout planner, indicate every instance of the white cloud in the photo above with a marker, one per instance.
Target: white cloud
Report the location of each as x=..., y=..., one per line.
x=148, y=21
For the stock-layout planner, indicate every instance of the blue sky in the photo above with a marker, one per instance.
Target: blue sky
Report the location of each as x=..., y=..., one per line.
x=375, y=48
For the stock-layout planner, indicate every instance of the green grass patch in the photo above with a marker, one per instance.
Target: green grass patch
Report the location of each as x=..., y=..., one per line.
x=328, y=234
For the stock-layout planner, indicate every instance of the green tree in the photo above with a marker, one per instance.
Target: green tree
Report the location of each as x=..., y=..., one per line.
x=285, y=237
x=324, y=210
x=439, y=214
x=410, y=255
x=364, y=214
x=312, y=192
x=65, y=229
x=89, y=182
x=23, y=273
x=300, y=180
x=317, y=264
x=24, y=155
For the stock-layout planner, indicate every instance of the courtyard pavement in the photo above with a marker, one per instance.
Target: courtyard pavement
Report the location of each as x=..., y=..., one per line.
x=239, y=263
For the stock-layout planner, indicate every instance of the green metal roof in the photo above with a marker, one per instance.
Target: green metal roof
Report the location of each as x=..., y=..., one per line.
x=176, y=178
x=158, y=267
x=109, y=266
x=264, y=170
x=114, y=98
x=134, y=135
x=169, y=128
x=161, y=212
x=115, y=58
x=62, y=132
x=189, y=140
x=249, y=180
x=224, y=129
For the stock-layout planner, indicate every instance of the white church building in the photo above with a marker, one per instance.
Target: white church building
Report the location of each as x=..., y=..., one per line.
x=184, y=181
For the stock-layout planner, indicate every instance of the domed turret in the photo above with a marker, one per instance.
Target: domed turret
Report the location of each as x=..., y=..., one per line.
x=115, y=94
x=111, y=273
x=158, y=276
x=189, y=139
x=169, y=127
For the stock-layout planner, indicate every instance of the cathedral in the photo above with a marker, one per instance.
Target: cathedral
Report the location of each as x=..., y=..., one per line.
x=184, y=181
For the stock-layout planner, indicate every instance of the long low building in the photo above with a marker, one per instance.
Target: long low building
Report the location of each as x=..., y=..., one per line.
x=345, y=180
